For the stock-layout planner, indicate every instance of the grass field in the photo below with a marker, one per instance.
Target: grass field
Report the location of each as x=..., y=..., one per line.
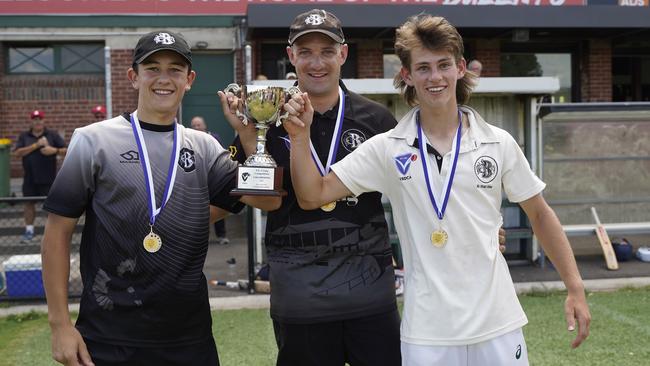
x=620, y=334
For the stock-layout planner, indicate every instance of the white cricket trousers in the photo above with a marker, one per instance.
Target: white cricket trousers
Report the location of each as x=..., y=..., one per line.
x=506, y=350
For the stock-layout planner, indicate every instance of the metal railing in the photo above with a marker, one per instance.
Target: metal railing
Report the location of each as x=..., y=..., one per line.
x=20, y=258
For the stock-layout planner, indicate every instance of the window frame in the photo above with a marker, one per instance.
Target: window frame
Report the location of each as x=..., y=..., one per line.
x=571, y=48
x=57, y=51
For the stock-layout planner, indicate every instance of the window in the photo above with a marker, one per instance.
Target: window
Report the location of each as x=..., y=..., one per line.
x=56, y=59
x=631, y=78
x=541, y=64
x=31, y=59
x=392, y=65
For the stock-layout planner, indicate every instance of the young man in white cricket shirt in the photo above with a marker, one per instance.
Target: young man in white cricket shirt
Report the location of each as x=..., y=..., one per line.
x=444, y=170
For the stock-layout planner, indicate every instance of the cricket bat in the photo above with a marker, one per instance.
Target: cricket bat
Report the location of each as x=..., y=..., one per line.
x=606, y=245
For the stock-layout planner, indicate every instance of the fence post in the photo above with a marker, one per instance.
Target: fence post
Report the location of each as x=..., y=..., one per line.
x=5, y=170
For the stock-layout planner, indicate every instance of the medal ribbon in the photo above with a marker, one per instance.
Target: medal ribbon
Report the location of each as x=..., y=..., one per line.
x=146, y=167
x=336, y=136
x=449, y=179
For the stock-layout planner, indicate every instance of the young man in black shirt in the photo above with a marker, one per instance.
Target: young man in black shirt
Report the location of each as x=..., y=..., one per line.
x=145, y=238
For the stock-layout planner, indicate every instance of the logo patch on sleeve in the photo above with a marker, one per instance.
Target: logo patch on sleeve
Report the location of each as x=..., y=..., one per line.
x=186, y=160
x=352, y=139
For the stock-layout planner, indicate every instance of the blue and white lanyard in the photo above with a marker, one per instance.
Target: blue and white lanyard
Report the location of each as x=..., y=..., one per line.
x=449, y=179
x=336, y=137
x=146, y=167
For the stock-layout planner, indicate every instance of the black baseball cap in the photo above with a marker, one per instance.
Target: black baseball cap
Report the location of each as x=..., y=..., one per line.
x=153, y=42
x=316, y=20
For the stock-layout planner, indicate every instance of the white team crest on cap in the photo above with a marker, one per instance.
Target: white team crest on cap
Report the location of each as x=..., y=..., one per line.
x=164, y=38
x=314, y=19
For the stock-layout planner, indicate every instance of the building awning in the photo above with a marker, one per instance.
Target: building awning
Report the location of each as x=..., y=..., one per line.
x=462, y=16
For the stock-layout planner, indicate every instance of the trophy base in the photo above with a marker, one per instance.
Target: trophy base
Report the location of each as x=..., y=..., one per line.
x=259, y=181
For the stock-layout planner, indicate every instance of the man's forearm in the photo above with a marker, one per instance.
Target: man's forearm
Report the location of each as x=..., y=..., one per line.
x=548, y=229
x=248, y=141
x=55, y=253
x=307, y=181
x=56, y=271
x=264, y=203
x=22, y=151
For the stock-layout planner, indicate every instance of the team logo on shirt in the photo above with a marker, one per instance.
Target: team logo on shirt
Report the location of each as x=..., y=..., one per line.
x=186, y=160
x=130, y=156
x=403, y=164
x=486, y=169
x=518, y=352
x=351, y=139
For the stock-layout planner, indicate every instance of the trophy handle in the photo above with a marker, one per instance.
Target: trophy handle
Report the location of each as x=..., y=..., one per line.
x=237, y=91
x=290, y=93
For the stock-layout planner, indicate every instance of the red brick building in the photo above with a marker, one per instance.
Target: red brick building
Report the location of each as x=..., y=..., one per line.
x=59, y=55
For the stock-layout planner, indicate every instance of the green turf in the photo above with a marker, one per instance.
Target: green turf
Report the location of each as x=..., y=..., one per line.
x=620, y=330
x=620, y=334
x=244, y=337
x=25, y=340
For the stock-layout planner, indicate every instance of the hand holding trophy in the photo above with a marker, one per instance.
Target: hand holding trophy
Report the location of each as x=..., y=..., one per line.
x=260, y=174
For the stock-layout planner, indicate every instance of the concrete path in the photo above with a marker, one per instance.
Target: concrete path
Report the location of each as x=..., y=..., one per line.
x=262, y=301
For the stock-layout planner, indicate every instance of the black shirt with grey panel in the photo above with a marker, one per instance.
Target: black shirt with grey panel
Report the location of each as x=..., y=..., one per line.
x=329, y=266
x=133, y=297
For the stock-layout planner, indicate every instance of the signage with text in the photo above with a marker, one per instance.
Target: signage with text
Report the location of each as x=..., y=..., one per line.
x=236, y=7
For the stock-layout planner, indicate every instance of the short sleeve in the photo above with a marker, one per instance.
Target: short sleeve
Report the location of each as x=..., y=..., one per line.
x=363, y=170
x=21, y=141
x=58, y=140
x=74, y=185
x=237, y=152
x=222, y=178
x=519, y=181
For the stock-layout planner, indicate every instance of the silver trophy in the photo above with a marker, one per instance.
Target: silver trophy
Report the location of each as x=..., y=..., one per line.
x=260, y=174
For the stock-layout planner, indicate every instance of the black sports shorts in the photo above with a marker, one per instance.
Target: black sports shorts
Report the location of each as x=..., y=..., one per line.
x=366, y=341
x=198, y=354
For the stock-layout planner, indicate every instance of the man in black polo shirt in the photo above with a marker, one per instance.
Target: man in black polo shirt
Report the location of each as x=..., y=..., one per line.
x=331, y=273
x=38, y=147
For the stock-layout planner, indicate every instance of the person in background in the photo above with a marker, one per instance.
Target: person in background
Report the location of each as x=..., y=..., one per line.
x=198, y=123
x=38, y=147
x=475, y=66
x=99, y=112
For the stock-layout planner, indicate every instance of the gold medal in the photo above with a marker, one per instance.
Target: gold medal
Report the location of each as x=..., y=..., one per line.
x=328, y=207
x=439, y=238
x=152, y=242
